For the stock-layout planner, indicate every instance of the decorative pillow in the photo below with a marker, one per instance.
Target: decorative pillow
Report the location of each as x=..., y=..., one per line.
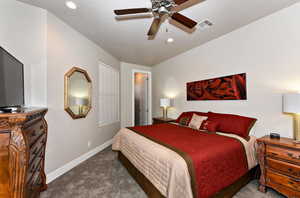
x=189, y=115
x=196, y=121
x=229, y=123
x=210, y=126
x=184, y=121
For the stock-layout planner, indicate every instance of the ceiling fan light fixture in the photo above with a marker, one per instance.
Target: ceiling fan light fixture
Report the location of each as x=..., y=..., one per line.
x=71, y=5
x=163, y=10
x=170, y=40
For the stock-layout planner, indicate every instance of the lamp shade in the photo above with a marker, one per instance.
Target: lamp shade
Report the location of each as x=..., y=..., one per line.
x=291, y=103
x=165, y=102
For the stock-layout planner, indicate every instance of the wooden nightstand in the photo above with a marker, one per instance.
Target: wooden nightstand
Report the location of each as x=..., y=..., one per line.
x=280, y=165
x=163, y=120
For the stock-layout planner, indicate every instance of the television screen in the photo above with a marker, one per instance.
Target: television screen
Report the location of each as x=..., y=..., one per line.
x=11, y=80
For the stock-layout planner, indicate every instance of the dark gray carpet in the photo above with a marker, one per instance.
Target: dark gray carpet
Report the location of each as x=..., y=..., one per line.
x=102, y=176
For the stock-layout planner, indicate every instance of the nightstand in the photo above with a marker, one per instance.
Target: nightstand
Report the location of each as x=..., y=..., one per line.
x=279, y=161
x=163, y=120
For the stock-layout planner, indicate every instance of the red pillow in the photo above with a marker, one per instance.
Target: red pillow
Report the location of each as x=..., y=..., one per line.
x=229, y=123
x=189, y=115
x=210, y=126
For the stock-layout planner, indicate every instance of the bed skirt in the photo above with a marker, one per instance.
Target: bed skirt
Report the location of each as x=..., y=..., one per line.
x=152, y=192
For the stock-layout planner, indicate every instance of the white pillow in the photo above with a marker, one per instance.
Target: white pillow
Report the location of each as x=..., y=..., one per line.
x=196, y=121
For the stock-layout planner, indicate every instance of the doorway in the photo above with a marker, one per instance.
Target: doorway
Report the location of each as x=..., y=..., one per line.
x=141, y=98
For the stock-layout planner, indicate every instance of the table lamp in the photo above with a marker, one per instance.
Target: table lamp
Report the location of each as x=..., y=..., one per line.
x=80, y=102
x=291, y=105
x=165, y=103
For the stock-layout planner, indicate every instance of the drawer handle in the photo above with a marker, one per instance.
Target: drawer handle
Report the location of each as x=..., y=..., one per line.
x=289, y=169
x=293, y=181
x=274, y=154
x=293, y=156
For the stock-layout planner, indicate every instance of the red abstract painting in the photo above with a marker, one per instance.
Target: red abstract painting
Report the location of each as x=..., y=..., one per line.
x=224, y=88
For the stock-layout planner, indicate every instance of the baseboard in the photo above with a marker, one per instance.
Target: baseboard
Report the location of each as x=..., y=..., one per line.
x=62, y=170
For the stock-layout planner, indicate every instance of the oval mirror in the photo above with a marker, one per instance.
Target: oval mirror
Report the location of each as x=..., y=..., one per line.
x=78, y=89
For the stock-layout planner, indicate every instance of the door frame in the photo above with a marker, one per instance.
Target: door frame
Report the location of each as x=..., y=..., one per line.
x=149, y=94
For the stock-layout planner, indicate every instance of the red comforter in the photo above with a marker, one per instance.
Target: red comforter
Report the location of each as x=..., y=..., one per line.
x=214, y=161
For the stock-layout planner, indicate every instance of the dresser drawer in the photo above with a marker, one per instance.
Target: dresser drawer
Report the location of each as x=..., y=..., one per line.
x=4, y=125
x=283, y=153
x=273, y=177
x=4, y=141
x=284, y=190
x=284, y=167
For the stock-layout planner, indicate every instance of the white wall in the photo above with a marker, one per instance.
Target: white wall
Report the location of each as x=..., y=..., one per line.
x=23, y=32
x=49, y=48
x=126, y=91
x=68, y=138
x=267, y=50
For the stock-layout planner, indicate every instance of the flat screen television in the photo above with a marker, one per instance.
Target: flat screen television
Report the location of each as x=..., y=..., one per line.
x=11, y=81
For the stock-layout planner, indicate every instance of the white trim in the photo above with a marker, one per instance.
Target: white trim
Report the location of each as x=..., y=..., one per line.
x=149, y=96
x=65, y=168
x=109, y=123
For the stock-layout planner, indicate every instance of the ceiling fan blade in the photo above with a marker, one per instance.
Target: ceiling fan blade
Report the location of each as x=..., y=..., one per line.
x=132, y=11
x=184, y=20
x=178, y=2
x=154, y=27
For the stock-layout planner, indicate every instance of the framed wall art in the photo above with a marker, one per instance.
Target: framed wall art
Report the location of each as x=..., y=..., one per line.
x=224, y=88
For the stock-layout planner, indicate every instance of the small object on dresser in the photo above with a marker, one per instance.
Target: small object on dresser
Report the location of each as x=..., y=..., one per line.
x=274, y=135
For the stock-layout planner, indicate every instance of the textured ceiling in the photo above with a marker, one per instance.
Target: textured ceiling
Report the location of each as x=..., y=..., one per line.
x=126, y=39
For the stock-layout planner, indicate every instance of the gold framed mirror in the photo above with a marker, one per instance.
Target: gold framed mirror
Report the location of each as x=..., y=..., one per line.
x=78, y=93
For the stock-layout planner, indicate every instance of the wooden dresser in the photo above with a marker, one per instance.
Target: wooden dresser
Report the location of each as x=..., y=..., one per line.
x=23, y=138
x=162, y=120
x=280, y=165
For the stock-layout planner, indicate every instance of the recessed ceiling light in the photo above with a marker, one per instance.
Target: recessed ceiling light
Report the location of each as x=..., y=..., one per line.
x=170, y=40
x=71, y=5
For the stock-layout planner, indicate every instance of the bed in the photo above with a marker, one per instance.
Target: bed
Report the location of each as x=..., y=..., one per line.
x=171, y=160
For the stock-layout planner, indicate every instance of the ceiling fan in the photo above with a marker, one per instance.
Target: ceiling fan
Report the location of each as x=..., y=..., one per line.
x=160, y=9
